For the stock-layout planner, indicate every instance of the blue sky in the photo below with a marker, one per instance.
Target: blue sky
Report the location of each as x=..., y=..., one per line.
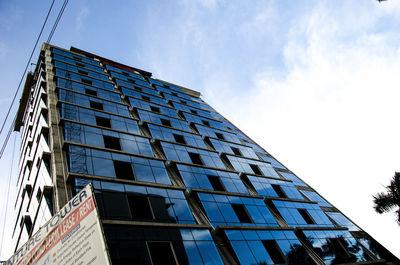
x=314, y=82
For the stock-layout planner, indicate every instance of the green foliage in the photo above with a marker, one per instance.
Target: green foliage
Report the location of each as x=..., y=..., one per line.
x=387, y=201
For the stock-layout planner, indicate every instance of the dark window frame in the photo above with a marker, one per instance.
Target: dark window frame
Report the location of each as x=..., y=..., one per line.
x=242, y=213
x=166, y=122
x=90, y=92
x=179, y=138
x=96, y=105
x=196, y=158
x=236, y=151
x=83, y=72
x=306, y=216
x=158, y=258
x=220, y=136
x=103, y=121
x=206, y=123
x=279, y=191
x=141, y=209
x=112, y=142
x=256, y=169
x=216, y=183
x=123, y=170
x=86, y=81
x=155, y=109
x=138, y=88
x=146, y=98
x=274, y=251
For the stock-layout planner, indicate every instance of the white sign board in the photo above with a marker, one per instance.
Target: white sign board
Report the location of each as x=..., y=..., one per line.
x=73, y=236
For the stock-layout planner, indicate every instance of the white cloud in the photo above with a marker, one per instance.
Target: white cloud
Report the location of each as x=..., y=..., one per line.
x=3, y=49
x=333, y=118
x=82, y=14
x=10, y=16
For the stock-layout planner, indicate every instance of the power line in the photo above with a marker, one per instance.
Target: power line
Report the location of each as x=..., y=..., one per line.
x=57, y=20
x=26, y=68
x=3, y=148
x=60, y=13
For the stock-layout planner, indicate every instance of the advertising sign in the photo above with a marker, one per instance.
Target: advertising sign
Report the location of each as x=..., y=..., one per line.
x=73, y=236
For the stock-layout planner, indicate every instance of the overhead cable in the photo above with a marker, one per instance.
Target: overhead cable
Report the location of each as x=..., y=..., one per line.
x=26, y=67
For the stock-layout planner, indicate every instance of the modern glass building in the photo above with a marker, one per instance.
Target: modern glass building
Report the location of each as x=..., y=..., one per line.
x=175, y=182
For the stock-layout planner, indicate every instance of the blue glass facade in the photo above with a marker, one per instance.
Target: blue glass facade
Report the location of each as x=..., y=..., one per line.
x=174, y=179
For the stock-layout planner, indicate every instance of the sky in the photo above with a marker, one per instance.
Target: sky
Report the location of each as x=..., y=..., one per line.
x=314, y=82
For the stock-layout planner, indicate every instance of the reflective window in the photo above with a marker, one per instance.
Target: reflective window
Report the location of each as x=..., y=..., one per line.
x=191, y=103
x=272, y=161
x=124, y=75
x=84, y=100
x=137, y=103
x=336, y=247
x=296, y=214
x=131, y=83
x=252, y=166
x=265, y=187
x=157, y=118
x=116, y=70
x=136, y=88
x=144, y=96
x=74, y=56
x=139, y=203
x=246, y=141
x=101, y=163
x=293, y=178
x=90, y=90
x=235, y=210
x=234, y=149
x=93, y=117
x=267, y=247
x=202, y=120
x=198, y=177
x=195, y=111
x=78, y=77
x=80, y=70
x=108, y=139
x=342, y=221
x=212, y=132
x=191, y=155
x=78, y=63
x=190, y=246
x=313, y=196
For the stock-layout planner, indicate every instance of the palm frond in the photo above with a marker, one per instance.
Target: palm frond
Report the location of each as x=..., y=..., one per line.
x=383, y=202
x=398, y=216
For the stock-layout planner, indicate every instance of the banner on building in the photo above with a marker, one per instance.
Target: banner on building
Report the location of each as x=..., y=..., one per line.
x=73, y=236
